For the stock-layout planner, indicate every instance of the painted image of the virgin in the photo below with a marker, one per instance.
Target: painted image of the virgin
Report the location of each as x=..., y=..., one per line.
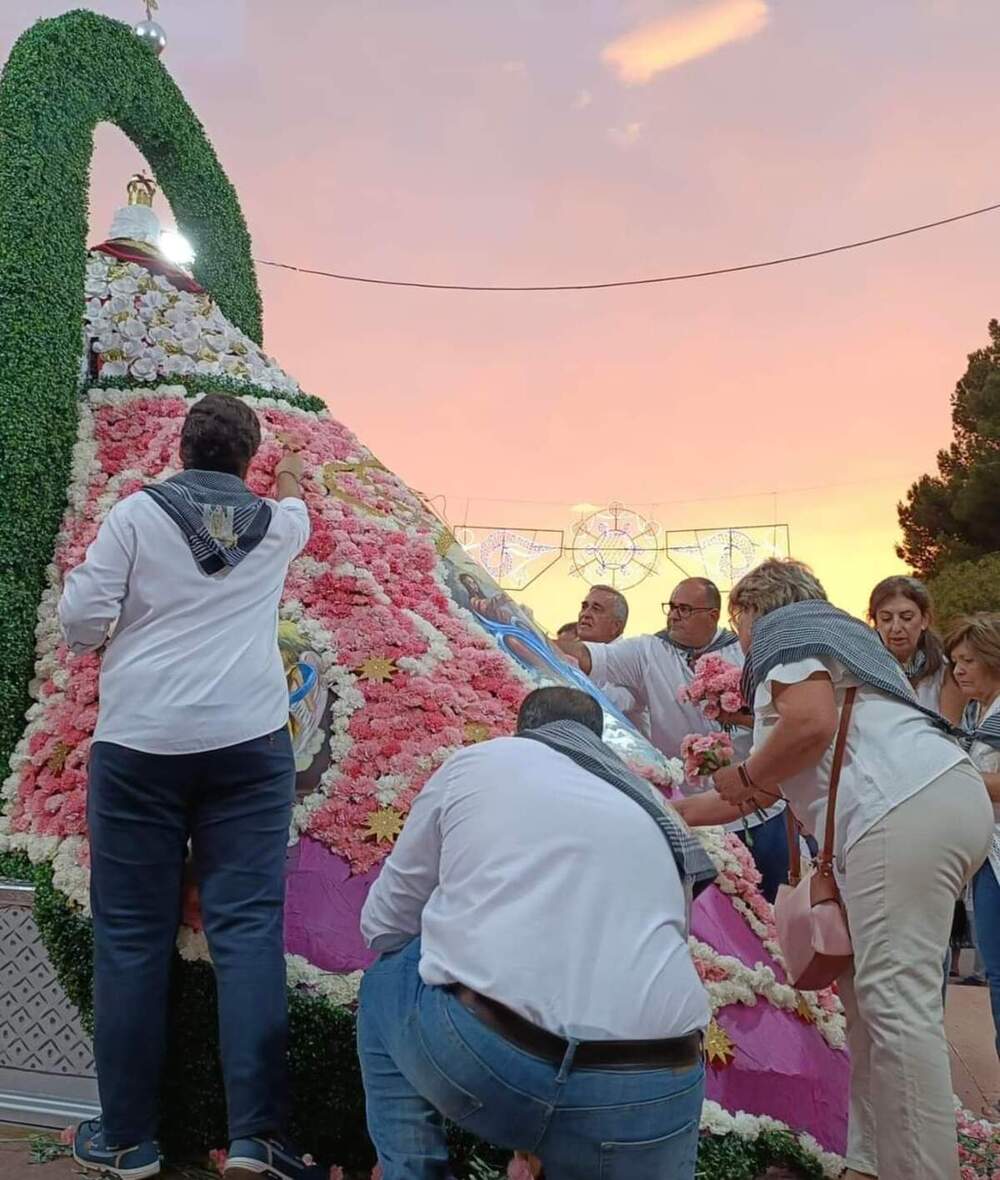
x=513, y=630
x=309, y=706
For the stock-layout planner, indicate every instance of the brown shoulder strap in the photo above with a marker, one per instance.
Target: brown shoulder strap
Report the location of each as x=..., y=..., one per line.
x=794, y=851
x=826, y=856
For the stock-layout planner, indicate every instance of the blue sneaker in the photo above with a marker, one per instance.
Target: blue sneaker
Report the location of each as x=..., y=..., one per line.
x=267, y=1156
x=91, y=1151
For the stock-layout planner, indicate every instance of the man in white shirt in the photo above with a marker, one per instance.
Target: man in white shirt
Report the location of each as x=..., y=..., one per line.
x=654, y=668
x=602, y=619
x=191, y=743
x=532, y=925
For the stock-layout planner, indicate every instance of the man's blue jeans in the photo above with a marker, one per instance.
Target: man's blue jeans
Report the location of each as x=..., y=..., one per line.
x=769, y=849
x=235, y=806
x=986, y=910
x=423, y=1056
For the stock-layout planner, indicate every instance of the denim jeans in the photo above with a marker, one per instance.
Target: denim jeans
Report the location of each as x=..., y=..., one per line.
x=986, y=908
x=235, y=805
x=769, y=849
x=425, y=1058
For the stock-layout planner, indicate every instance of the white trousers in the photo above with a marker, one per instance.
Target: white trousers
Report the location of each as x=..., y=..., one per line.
x=901, y=880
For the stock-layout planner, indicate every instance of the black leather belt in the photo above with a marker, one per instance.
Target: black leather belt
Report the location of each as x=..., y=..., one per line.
x=673, y=1053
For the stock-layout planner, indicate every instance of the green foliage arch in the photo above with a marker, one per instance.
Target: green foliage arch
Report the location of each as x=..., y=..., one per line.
x=63, y=77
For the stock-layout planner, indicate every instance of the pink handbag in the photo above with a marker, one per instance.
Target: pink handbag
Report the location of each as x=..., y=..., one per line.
x=808, y=912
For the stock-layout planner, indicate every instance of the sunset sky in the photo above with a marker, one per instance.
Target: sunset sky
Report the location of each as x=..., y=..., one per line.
x=558, y=141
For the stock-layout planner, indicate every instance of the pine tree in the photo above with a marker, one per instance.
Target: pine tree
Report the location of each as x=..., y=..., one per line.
x=954, y=516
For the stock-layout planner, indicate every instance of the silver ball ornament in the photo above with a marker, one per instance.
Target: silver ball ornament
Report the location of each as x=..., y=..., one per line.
x=151, y=34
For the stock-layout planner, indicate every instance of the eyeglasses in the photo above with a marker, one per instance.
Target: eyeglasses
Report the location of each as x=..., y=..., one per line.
x=683, y=611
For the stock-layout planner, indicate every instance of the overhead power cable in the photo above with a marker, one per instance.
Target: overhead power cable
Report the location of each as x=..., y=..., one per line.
x=674, y=278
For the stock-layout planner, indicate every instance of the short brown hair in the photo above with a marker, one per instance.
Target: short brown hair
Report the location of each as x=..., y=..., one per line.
x=982, y=633
x=220, y=433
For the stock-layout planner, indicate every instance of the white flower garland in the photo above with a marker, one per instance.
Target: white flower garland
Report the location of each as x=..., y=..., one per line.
x=744, y=984
x=715, y=1120
x=339, y=988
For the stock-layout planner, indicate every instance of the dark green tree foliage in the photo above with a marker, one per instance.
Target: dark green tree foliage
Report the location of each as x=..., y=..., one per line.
x=954, y=516
x=965, y=588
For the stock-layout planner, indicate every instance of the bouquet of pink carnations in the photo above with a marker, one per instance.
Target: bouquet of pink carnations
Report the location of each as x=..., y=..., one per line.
x=705, y=753
x=715, y=687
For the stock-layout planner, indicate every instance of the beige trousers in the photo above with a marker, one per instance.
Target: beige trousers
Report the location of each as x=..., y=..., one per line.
x=900, y=884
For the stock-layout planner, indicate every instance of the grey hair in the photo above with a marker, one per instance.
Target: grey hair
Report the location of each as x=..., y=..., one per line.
x=619, y=602
x=776, y=582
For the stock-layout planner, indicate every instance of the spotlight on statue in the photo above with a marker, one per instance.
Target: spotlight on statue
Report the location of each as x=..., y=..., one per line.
x=176, y=248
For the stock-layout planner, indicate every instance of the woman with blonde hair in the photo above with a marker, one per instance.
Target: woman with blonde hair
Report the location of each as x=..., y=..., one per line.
x=973, y=646
x=911, y=827
x=899, y=608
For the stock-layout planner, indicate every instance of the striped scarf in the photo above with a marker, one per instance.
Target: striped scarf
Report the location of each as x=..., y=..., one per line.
x=691, y=655
x=817, y=629
x=586, y=749
x=221, y=519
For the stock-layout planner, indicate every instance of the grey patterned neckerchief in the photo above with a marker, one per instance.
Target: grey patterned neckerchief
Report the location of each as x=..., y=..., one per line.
x=221, y=519
x=816, y=629
x=695, y=867
x=691, y=655
x=915, y=665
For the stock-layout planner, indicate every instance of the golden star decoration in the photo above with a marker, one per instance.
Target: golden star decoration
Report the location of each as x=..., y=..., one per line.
x=476, y=731
x=719, y=1047
x=377, y=668
x=57, y=759
x=803, y=1011
x=384, y=824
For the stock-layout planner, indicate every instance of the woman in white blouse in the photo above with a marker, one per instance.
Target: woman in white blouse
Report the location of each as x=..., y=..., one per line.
x=973, y=646
x=912, y=826
x=899, y=608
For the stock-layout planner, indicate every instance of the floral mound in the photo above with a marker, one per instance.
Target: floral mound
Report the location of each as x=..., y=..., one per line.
x=399, y=650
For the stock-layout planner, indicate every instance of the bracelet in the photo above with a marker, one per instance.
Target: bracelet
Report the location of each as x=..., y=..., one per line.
x=745, y=778
x=291, y=475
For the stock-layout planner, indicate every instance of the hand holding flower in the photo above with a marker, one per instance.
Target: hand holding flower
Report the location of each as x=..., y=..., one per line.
x=730, y=785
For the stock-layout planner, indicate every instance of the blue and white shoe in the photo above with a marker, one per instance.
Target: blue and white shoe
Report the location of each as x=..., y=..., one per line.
x=270, y=1157
x=92, y=1152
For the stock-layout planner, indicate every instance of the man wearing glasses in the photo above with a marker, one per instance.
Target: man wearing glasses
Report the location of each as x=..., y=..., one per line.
x=653, y=668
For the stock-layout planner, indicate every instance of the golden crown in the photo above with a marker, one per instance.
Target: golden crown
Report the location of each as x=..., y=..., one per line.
x=141, y=190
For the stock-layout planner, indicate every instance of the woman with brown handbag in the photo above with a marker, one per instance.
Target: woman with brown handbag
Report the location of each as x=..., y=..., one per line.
x=911, y=825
